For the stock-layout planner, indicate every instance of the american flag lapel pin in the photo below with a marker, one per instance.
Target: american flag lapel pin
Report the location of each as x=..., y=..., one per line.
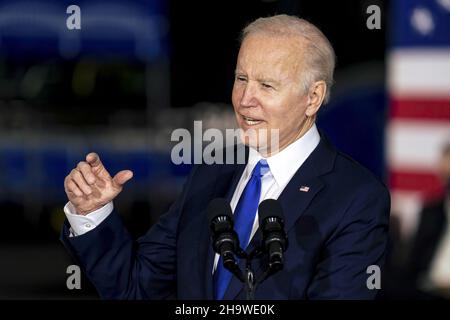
x=304, y=189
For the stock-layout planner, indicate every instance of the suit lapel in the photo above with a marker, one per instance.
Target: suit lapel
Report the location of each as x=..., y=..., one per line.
x=224, y=187
x=294, y=200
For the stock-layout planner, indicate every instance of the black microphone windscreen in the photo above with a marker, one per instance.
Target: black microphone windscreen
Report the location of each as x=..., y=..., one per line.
x=270, y=208
x=218, y=207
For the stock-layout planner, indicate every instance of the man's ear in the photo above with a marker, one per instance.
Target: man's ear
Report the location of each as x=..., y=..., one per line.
x=316, y=95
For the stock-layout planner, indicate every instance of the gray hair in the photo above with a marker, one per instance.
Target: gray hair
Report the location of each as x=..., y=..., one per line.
x=319, y=55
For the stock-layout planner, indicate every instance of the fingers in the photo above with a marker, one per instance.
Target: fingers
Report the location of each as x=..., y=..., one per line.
x=94, y=160
x=86, y=171
x=81, y=182
x=71, y=187
x=122, y=177
x=90, y=178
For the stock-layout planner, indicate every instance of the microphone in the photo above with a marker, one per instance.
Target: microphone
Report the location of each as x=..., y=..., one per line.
x=275, y=241
x=224, y=238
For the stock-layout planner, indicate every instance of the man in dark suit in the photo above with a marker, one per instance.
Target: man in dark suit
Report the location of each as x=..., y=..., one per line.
x=336, y=211
x=427, y=269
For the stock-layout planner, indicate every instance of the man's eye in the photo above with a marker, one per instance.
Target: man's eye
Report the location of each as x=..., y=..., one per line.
x=240, y=78
x=267, y=86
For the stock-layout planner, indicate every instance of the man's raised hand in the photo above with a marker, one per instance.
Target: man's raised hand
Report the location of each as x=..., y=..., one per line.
x=89, y=186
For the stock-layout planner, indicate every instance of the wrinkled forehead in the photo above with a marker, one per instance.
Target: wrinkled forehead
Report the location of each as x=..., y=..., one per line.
x=274, y=54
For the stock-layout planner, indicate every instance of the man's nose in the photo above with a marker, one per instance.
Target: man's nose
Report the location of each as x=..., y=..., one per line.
x=248, y=98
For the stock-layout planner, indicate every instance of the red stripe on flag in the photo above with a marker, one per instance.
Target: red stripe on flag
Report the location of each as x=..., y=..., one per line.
x=424, y=109
x=428, y=183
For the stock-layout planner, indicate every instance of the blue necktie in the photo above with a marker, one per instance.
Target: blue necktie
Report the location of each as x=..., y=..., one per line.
x=244, y=216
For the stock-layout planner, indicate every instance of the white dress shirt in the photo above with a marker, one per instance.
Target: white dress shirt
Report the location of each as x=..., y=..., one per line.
x=80, y=224
x=282, y=165
x=439, y=272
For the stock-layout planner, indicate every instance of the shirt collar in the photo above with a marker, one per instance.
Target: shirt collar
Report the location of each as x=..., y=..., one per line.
x=285, y=163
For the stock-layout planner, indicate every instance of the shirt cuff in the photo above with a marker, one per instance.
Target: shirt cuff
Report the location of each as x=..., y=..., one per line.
x=81, y=224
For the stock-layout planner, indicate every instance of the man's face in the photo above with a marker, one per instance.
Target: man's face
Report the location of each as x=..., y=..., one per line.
x=267, y=91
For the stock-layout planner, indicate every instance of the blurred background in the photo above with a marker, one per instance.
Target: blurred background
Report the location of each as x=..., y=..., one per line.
x=138, y=69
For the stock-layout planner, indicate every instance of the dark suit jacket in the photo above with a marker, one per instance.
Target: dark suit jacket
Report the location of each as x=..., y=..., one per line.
x=336, y=230
x=431, y=229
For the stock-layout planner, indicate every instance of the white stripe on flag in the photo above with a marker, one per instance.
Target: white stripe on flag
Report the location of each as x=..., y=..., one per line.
x=419, y=72
x=416, y=144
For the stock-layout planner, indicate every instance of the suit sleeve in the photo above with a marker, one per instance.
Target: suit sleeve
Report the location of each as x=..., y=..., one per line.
x=121, y=268
x=359, y=241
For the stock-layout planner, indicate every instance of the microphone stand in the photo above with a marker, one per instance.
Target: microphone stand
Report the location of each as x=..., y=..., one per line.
x=249, y=280
x=250, y=284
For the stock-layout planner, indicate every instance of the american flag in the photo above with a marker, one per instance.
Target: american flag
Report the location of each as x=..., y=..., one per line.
x=419, y=91
x=304, y=188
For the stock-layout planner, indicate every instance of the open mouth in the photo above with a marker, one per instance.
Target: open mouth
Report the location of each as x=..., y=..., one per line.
x=251, y=121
